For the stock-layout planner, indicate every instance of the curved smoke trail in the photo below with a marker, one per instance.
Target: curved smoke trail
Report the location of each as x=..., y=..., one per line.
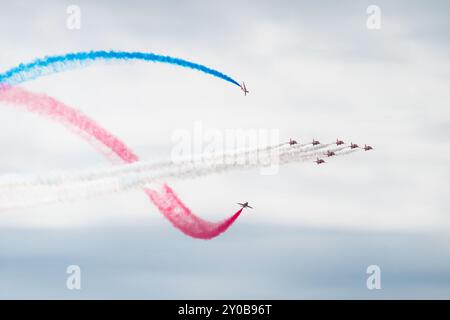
x=165, y=200
x=53, y=64
x=177, y=213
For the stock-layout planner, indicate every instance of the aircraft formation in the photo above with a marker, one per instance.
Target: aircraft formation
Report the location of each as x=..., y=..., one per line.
x=332, y=153
x=314, y=142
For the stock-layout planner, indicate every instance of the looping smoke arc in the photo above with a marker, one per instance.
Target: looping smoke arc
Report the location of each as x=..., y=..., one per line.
x=164, y=197
x=54, y=64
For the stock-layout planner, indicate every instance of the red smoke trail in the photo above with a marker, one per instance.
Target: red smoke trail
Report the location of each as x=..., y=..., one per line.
x=166, y=200
x=172, y=207
x=47, y=106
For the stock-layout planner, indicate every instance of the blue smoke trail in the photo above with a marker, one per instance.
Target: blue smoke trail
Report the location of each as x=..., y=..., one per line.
x=54, y=64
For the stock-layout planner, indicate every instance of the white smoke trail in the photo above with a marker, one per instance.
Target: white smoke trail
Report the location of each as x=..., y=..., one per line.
x=19, y=191
x=232, y=159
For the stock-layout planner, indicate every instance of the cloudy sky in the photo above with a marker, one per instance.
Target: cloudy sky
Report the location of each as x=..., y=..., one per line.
x=314, y=71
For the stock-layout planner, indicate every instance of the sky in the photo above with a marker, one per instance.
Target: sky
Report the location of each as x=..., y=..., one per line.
x=314, y=70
